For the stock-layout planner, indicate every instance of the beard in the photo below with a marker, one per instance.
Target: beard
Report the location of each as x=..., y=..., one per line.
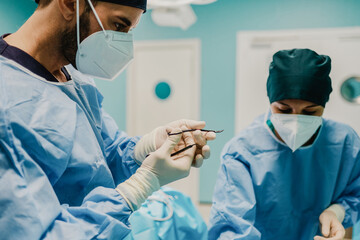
x=68, y=44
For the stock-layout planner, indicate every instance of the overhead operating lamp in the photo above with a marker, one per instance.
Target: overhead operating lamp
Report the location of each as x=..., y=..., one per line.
x=175, y=13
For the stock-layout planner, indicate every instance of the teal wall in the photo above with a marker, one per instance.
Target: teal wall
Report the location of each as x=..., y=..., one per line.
x=12, y=15
x=216, y=27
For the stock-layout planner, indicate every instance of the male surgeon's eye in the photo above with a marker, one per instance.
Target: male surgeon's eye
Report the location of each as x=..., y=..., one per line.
x=120, y=27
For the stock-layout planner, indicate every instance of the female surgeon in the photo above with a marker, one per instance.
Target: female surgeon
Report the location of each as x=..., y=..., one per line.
x=291, y=174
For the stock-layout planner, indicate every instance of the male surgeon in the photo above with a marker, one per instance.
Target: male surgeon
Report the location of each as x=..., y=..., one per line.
x=66, y=171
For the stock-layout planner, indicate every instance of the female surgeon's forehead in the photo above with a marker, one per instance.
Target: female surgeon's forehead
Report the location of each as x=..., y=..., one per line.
x=295, y=103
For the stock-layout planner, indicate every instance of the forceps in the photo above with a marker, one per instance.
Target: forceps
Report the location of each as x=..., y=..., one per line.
x=190, y=146
x=192, y=130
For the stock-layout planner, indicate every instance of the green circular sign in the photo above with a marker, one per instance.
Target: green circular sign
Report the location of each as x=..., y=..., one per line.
x=350, y=90
x=162, y=90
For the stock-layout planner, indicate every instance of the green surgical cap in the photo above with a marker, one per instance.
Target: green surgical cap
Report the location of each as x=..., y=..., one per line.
x=299, y=74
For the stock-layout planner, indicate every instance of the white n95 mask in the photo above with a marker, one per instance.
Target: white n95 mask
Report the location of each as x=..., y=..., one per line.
x=295, y=129
x=103, y=54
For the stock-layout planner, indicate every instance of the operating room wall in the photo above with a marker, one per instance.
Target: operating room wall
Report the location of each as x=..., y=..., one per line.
x=216, y=28
x=14, y=14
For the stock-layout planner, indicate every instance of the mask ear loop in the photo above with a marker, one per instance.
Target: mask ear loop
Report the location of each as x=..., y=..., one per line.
x=78, y=24
x=267, y=115
x=97, y=17
x=78, y=21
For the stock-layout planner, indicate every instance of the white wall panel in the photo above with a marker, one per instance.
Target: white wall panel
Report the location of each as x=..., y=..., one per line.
x=178, y=64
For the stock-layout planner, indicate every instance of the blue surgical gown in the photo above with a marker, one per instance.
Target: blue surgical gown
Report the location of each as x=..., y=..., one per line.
x=265, y=191
x=61, y=156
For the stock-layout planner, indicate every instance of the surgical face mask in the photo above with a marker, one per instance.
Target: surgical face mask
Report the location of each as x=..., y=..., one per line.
x=103, y=54
x=295, y=129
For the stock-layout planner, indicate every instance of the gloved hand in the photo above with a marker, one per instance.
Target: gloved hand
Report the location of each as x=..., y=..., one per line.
x=158, y=169
x=152, y=141
x=167, y=168
x=330, y=221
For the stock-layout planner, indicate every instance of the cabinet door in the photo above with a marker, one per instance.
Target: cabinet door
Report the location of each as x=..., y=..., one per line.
x=164, y=85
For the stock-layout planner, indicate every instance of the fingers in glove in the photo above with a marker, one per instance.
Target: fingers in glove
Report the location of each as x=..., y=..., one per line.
x=182, y=150
x=206, y=151
x=338, y=236
x=187, y=137
x=337, y=231
x=209, y=136
x=171, y=142
x=199, y=138
x=325, y=226
x=200, y=144
x=190, y=124
x=199, y=159
x=189, y=140
x=203, y=151
x=161, y=135
x=170, y=129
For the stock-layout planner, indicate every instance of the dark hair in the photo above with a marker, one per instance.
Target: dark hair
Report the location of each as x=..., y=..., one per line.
x=44, y=3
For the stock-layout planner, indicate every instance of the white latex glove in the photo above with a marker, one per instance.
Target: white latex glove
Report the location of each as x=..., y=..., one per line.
x=152, y=141
x=331, y=227
x=167, y=168
x=158, y=169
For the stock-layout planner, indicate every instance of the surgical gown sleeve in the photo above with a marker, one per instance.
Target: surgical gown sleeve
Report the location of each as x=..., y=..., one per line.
x=234, y=204
x=119, y=149
x=29, y=207
x=350, y=198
